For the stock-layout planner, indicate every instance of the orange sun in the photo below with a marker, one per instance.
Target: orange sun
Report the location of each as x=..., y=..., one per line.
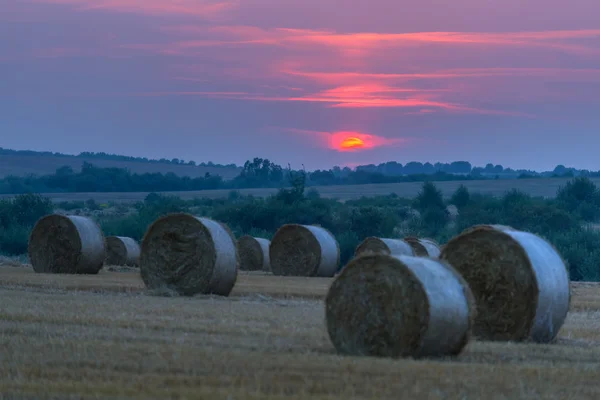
x=352, y=143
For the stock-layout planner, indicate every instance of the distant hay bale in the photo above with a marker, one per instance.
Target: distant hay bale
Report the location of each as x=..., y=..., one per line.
x=254, y=253
x=189, y=255
x=121, y=250
x=399, y=306
x=66, y=244
x=452, y=212
x=375, y=245
x=304, y=250
x=519, y=280
x=423, y=247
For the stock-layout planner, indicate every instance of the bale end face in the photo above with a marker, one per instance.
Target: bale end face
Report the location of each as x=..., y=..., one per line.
x=397, y=306
x=188, y=255
x=254, y=253
x=512, y=275
x=122, y=251
x=304, y=250
x=375, y=245
x=423, y=247
x=66, y=244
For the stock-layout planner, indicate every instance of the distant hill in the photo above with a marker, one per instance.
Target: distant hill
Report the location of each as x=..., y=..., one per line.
x=27, y=162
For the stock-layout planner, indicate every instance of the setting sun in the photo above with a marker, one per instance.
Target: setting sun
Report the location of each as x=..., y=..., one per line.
x=352, y=143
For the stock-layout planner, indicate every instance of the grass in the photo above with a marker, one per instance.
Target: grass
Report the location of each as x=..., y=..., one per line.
x=23, y=165
x=104, y=337
x=545, y=187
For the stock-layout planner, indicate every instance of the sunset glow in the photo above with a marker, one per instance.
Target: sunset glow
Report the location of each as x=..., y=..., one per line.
x=356, y=141
x=366, y=81
x=352, y=143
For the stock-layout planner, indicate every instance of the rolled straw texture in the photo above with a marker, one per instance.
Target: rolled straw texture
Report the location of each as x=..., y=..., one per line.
x=304, y=250
x=375, y=245
x=399, y=306
x=519, y=280
x=122, y=250
x=254, y=253
x=66, y=244
x=424, y=247
x=189, y=255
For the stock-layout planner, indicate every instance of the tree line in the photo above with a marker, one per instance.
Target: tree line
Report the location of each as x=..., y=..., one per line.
x=390, y=168
x=256, y=173
x=567, y=221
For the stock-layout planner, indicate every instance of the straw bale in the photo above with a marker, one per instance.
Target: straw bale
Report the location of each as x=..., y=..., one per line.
x=122, y=251
x=66, y=244
x=519, y=280
x=423, y=247
x=254, y=253
x=304, y=250
x=375, y=245
x=399, y=306
x=189, y=255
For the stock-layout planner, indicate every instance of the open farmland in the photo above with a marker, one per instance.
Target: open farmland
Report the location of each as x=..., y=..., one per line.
x=103, y=336
x=39, y=164
x=545, y=187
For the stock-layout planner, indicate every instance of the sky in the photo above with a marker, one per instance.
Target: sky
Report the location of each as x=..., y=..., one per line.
x=306, y=82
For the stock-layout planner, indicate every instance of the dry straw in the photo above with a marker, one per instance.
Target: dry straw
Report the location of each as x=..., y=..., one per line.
x=399, y=306
x=254, y=253
x=121, y=250
x=519, y=280
x=424, y=247
x=304, y=250
x=66, y=244
x=375, y=245
x=189, y=255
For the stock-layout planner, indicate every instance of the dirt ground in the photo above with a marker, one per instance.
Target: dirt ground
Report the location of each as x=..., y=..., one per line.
x=104, y=336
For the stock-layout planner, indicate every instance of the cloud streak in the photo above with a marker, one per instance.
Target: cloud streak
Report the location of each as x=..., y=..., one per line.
x=360, y=43
x=197, y=8
x=351, y=73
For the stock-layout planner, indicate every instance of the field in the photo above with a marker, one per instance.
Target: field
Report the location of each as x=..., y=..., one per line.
x=22, y=165
x=546, y=187
x=104, y=337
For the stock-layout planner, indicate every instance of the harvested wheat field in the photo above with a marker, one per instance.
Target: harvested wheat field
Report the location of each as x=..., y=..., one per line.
x=101, y=336
x=546, y=187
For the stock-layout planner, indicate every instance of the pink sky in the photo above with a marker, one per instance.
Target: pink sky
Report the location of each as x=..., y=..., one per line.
x=512, y=82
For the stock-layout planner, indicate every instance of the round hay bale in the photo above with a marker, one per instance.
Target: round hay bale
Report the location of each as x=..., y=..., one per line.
x=423, y=247
x=304, y=250
x=399, y=306
x=189, y=255
x=375, y=245
x=254, y=253
x=519, y=280
x=66, y=244
x=122, y=250
x=228, y=229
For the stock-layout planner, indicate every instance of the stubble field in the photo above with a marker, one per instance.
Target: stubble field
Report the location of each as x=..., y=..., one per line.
x=545, y=187
x=104, y=336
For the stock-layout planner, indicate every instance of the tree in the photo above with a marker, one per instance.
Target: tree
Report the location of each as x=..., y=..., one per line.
x=430, y=197
x=460, y=198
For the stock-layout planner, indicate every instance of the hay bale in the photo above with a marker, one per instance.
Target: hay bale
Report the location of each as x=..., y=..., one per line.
x=399, y=306
x=423, y=247
x=122, y=250
x=189, y=255
x=519, y=280
x=66, y=244
x=304, y=250
x=375, y=245
x=254, y=253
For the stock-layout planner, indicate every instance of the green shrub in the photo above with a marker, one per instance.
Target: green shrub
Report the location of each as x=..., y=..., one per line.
x=558, y=220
